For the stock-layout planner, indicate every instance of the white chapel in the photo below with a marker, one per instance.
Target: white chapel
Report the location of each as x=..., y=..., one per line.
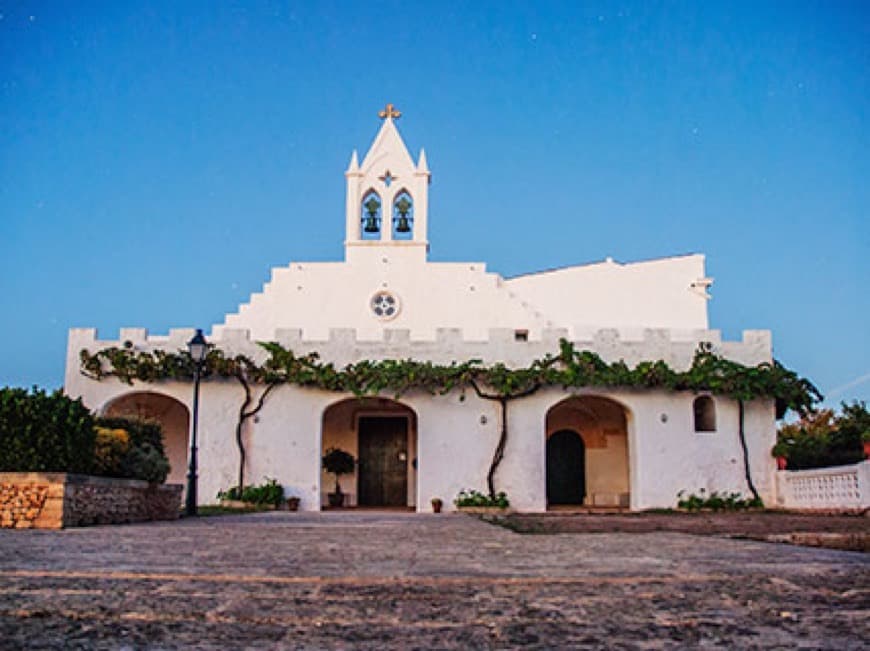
x=594, y=447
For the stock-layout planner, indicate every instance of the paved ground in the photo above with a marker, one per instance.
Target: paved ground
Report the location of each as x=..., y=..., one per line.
x=376, y=581
x=849, y=532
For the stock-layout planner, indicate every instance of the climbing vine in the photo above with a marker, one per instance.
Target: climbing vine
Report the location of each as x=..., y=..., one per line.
x=569, y=369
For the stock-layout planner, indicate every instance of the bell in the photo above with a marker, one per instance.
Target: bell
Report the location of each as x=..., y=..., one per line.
x=403, y=226
x=371, y=225
x=371, y=218
x=403, y=207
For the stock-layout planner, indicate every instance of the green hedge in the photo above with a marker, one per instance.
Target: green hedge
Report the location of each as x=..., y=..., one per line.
x=49, y=432
x=44, y=432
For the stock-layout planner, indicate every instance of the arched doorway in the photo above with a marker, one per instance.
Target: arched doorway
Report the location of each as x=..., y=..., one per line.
x=174, y=419
x=566, y=468
x=587, y=452
x=381, y=434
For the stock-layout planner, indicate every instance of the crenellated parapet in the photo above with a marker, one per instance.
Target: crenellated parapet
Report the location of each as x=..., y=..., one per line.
x=508, y=346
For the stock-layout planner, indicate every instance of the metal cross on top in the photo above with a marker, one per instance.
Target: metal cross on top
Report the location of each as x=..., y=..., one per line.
x=389, y=112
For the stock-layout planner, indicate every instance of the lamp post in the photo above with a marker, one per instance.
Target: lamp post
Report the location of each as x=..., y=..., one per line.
x=198, y=347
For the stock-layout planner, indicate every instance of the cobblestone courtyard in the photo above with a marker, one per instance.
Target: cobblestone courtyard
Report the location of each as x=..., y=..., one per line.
x=396, y=580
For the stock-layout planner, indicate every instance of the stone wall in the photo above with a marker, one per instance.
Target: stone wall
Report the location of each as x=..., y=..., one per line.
x=31, y=500
x=57, y=500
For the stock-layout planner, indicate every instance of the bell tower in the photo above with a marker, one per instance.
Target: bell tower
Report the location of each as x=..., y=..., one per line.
x=388, y=194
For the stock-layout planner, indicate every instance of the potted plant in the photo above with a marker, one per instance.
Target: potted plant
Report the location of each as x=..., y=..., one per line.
x=780, y=453
x=338, y=462
x=437, y=503
x=293, y=503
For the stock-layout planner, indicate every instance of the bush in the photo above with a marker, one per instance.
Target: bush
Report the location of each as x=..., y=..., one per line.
x=476, y=498
x=144, y=457
x=111, y=446
x=147, y=463
x=824, y=439
x=269, y=492
x=142, y=432
x=717, y=501
x=42, y=432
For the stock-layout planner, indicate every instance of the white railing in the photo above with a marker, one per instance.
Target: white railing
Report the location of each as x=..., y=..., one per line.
x=840, y=487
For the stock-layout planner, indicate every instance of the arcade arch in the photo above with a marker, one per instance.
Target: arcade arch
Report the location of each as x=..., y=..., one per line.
x=174, y=419
x=381, y=434
x=587, y=453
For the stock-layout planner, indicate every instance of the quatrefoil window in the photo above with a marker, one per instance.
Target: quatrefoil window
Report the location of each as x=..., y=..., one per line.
x=385, y=305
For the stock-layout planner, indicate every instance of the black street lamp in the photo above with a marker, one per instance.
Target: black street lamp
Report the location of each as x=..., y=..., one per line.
x=198, y=347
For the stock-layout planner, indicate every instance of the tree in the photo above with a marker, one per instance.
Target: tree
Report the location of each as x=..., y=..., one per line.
x=823, y=438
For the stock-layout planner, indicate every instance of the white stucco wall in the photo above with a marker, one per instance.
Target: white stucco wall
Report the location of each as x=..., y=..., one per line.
x=663, y=293
x=318, y=297
x=665, y=454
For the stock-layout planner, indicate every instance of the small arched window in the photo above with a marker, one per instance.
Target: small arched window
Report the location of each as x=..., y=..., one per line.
x=370, y=227
x=403, y=216
x=705, y=414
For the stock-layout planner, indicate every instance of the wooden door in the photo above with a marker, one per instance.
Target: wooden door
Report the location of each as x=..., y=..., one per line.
x=383, y=461
x=566, y=468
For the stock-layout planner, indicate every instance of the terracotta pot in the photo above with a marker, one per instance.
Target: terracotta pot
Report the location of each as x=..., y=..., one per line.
x=292, y=503
x=867, y=449
x=781, y=463
x=436, y=506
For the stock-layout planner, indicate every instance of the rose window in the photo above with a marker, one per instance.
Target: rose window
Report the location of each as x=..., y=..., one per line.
x=385, y=305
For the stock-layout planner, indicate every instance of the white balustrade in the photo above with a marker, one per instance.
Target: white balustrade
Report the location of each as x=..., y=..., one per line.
x=839, y=487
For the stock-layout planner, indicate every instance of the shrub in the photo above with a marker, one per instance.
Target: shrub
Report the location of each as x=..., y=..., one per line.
x=469, y=497
x=717, y=501
x=110, y=448
x=147, y=463
x=269, y=492
x=42, y=432
x=144, y=457
x=142, y=432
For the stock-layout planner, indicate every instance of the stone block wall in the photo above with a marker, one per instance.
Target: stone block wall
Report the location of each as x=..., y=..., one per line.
x=31, y=500
x=57, y=500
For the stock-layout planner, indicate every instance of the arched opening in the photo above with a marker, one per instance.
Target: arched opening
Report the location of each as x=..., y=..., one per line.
x=587, y=453
x=370, y=217
x=174, y=419
x=381, y=434
x=704, y=408
x=403, y=216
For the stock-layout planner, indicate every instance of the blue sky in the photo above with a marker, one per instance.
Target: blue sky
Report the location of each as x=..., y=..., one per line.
x=157, y=159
